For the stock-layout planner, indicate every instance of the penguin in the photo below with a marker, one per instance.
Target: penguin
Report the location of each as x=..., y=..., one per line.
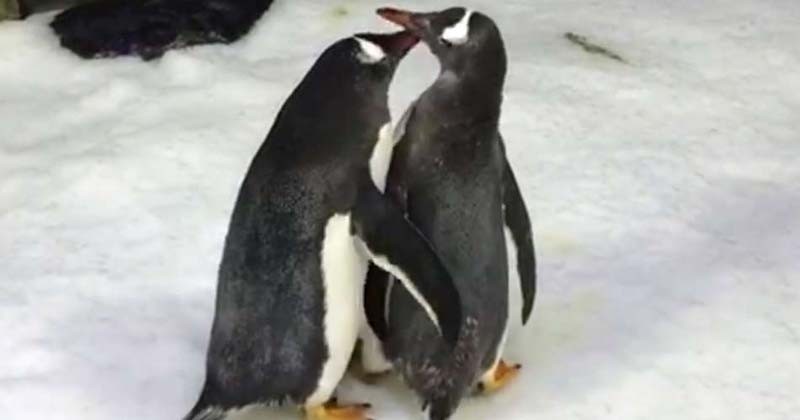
x=450, y=175
x=308, y=218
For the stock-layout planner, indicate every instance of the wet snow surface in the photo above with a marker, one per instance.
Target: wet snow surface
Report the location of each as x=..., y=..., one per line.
x=664, y=192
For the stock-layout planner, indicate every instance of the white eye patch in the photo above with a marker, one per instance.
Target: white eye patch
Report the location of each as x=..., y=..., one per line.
x=459, y=33
x=371, y=52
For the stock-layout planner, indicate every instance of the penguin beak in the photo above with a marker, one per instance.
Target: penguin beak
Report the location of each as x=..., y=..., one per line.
x=413, y=22
x=397, y=44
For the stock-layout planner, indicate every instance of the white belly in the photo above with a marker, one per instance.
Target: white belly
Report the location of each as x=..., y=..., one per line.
x=344, y=268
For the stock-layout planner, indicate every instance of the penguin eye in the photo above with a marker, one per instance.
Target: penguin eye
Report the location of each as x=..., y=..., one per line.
x=445, y=42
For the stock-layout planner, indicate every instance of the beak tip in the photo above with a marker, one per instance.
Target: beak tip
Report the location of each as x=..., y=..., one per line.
x=383, y=11
x=397, y=16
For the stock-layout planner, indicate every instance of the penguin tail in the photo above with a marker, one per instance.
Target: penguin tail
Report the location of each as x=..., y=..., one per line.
x=207, y=414
x=205, y=408
x=109, y=28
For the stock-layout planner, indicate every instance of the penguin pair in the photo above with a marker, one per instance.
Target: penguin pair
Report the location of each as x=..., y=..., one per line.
x=450, y=176
x=309, y=217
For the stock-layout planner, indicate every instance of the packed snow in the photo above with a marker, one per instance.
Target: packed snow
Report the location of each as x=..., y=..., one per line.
x=664, y=193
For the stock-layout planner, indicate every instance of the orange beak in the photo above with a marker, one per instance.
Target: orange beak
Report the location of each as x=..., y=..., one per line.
x=400, y=17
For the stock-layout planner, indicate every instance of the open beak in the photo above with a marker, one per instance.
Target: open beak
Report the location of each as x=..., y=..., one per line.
x=397, y=44
x=403, y=18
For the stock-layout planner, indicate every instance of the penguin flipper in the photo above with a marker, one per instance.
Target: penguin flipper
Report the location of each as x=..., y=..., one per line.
x=396, y=246
x=518, y=222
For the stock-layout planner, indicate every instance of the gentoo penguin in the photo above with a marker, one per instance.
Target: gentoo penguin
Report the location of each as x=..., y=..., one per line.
x=309, y=217
x=450, y=174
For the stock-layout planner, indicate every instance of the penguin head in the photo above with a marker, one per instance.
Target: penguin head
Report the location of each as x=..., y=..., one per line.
x=345, y=93
x=383, y=50
x=353, y=70
x=361, y=65
x=373, y=57
x=467, y=43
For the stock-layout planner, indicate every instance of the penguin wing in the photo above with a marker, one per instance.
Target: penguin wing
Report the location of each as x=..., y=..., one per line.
x=397, y=247
x=518, y=222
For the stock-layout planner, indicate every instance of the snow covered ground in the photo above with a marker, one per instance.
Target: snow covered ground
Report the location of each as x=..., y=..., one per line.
x=665, y=195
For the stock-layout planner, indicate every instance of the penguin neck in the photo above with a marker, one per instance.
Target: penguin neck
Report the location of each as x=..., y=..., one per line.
x=350, y=103
x=467, y=97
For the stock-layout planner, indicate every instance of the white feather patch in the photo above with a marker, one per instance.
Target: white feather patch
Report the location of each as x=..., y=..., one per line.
x=381, y=157
x=371, y=52
x=344, y=268
x=400, y=127
x=373, y=360
x=458, y=33
x=488, y=376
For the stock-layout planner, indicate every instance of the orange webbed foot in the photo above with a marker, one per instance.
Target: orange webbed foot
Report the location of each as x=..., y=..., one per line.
x=499, y=377
x=334, y=411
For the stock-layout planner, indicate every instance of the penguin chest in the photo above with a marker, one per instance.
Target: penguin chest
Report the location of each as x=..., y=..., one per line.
x=344, y=268
x=381, y=157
